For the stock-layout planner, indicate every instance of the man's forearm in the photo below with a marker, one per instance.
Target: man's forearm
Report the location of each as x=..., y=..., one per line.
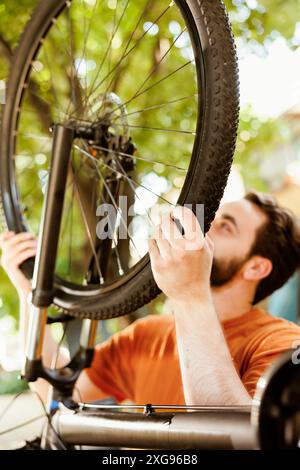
x=208, y=373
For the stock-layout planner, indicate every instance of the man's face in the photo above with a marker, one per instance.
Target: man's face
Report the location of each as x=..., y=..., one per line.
x=233, y=232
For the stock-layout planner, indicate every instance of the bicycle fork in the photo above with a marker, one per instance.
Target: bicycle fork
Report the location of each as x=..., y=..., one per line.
x=43, y=291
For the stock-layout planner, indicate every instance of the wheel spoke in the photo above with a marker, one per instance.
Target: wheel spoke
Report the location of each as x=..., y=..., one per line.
x=109, y=55
x=132, y=187
x=139, y=185
x=151, y=86
x=87, y=31
x=86, y=35
x=70, y=246
x=96, y=163
x=121, y=174
x=72, y=69
x=71, y=232
x=69, y=207
x=173, y=131
x=109, y=44
x=57, y=105
x=119, y=262
x=76, y=89
x=124, y=55
x=157, y=106
x=98, y=147
x=90, y=238
x=155, y=67
x=116, y=206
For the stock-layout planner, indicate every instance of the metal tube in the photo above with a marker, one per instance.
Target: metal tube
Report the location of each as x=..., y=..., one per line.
x=195, y=430
x=42, y=283
x=38, y=317
x=88, y=333
x=149, y=408
x=42, y=294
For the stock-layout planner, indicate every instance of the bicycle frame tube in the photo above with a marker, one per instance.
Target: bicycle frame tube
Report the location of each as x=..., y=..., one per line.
x=210, y=428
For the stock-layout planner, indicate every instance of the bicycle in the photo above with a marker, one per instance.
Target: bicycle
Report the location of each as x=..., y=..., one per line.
x=96, y=130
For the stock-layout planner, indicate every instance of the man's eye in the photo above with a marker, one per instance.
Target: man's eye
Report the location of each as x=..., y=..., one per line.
x=226, y=226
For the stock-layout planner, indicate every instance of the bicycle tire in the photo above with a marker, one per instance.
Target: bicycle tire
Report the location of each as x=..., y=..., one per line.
x=208, y=171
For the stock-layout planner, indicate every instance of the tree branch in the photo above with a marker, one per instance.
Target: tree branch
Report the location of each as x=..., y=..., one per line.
x=42, y=109
x=5, y=49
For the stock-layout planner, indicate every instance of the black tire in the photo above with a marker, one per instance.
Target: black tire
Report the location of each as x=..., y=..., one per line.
x=210, y=163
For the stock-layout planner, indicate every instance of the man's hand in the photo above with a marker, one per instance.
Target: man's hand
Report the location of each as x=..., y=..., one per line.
x=16, y=248
x=181, y=264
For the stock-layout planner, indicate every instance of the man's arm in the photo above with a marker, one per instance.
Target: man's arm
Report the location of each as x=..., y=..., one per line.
x=15, y=250
x=181, y=266
x=208, y=372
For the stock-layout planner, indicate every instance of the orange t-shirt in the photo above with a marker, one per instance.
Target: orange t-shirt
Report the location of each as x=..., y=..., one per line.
x=141, y=363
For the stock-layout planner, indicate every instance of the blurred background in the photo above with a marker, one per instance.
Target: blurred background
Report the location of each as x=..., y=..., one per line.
x=267, y=157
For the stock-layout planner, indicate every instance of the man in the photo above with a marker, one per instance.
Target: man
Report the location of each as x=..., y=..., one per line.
x=215, y=347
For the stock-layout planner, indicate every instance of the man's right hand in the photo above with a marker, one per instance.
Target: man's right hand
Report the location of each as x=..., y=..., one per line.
x=17, y=248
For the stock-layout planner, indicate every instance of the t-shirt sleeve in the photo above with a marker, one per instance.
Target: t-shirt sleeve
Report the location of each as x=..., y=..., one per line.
x=111, y=369
x=271, y=347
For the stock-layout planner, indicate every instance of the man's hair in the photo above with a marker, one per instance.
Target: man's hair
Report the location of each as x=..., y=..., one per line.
x=278, y=240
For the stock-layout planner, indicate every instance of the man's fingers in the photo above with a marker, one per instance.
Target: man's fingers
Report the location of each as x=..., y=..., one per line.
x=20, y=237
x=171, y=231
x=4, y=236
x=15, y=250
x=162, y=243
x=193, y=236
x=153, y=252
x=189, y=222
x=153, y=248
x=29, y=253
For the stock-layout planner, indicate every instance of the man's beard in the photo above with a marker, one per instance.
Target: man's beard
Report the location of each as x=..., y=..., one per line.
x=223, y=272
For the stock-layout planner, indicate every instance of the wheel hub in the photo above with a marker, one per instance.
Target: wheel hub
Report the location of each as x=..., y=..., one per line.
x=108, y=137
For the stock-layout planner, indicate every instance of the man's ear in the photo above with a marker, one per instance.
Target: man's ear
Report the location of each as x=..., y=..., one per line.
x=257, y=268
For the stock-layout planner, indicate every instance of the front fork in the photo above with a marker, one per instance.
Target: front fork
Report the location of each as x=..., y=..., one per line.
x=63, y=379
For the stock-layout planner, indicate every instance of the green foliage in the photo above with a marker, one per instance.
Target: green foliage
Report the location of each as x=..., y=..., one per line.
x=11, y=29
x=9, y=304
x=259, y=20
x=256, y=140
x=10, y=383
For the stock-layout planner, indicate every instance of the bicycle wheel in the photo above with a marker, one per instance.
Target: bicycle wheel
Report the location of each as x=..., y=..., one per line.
x=152, y=88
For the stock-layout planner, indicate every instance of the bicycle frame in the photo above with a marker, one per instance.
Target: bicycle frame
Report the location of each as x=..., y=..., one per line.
x=43, y=291
x=163, y=427
x=160, y=427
